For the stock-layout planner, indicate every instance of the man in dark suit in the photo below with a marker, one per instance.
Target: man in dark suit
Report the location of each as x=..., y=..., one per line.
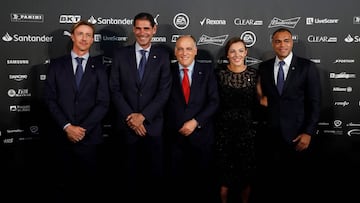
x=139, y=94
x=77, y=96
x=189, y=125
x=292, y=116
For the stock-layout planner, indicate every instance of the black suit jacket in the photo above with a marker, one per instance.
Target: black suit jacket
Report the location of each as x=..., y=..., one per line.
x=203, y=103
x=148, y=96
x=85, y=107
x=297, y=109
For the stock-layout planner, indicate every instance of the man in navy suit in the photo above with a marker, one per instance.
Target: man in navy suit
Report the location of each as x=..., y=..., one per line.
x=78, y=111
x=292, y=116
x=189, y=125
x=139, y=100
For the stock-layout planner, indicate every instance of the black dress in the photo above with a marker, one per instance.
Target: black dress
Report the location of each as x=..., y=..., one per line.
x=235, y=131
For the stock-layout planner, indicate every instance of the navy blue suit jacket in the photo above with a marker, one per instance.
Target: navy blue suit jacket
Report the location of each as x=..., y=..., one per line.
x=202, y=106
x=85, y=107
x=148, y=96
x=297, y=109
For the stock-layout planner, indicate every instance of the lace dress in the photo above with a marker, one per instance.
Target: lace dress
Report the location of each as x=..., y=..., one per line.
x=235, y=132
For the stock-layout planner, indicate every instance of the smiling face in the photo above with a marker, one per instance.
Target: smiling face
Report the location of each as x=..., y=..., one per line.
x=237, y=53
x=82, y=37
x=144, y=32
x=185, y=50
x=282, y=44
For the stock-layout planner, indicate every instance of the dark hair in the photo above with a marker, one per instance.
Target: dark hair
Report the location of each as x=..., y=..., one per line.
x=232, y=41
x=280, y=30
x=144, y=16
x=82, y=22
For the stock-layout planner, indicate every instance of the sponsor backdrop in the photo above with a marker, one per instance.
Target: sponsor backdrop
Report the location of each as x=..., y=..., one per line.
x=32, y=33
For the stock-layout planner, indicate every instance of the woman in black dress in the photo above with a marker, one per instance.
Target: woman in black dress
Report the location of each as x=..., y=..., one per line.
x=235, y=132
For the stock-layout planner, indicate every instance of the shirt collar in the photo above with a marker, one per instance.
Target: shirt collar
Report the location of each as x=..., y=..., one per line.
x=138, y=48
x=190, y=67
x=287, y=60
x=85, y=56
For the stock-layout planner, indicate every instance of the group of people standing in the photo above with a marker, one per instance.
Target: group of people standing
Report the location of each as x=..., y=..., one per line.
x=187, y=129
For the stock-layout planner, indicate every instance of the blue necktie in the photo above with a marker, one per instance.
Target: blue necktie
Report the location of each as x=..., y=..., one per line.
x=79, y=70
x=142, y=63
x=280, y=77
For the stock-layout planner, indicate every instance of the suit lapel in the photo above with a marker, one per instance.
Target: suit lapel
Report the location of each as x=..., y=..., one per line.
x=291, y=73
x=70, y=71
x=89, y=69
x=177, y=86
x=197, y=80
x=152, y=62
x=271, y=74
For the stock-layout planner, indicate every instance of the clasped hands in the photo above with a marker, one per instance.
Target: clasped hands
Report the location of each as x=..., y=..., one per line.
x=135, y=121
x=75, y=133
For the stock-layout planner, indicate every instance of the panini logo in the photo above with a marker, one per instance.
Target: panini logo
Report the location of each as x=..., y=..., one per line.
x=17, y=62
x=290, y=23
x=18, y=77
x=219, y=40
x=27, y=18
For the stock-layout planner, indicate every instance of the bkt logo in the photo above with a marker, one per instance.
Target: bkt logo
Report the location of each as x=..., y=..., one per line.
x=70, y=18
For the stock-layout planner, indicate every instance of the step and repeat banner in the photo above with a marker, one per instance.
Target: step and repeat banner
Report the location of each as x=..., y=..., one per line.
x=33, y=33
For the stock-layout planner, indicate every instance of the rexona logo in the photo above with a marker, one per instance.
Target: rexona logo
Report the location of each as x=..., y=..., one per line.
x=218, y=40
x=208, y=21
x=26, y=38
x=290, y=23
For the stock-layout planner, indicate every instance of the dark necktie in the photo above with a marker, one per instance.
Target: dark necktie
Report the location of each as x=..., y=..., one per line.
x=142, y=63
x=79, y=70
x=186, y=85
x=280, y=77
